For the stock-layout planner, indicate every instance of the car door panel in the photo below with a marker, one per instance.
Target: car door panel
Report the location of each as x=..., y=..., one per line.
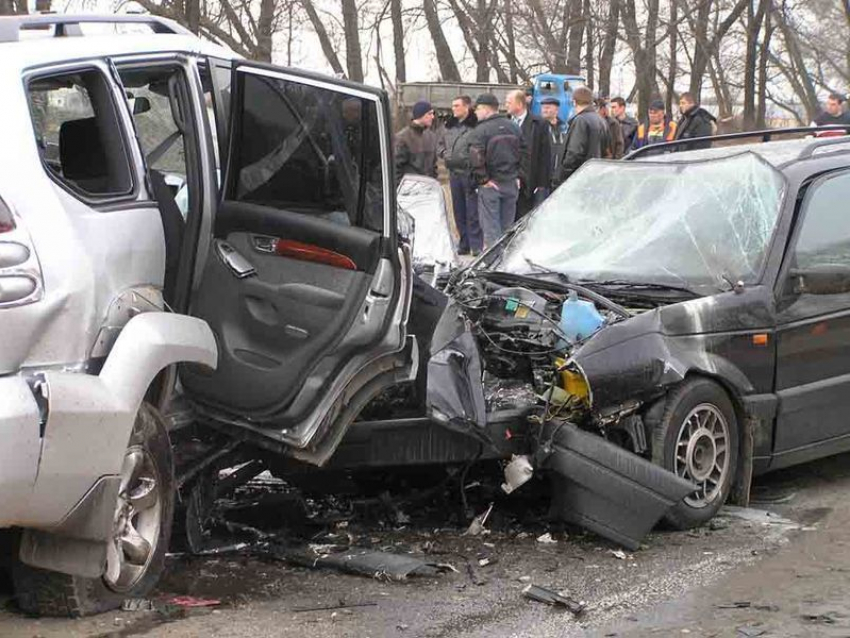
x=304, y=285
x=813, y=330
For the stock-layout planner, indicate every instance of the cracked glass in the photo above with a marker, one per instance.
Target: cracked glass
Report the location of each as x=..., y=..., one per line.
x=696, y=225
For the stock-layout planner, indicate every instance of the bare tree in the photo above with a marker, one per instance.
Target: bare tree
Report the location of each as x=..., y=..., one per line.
x=445, y=59
x=398, y=41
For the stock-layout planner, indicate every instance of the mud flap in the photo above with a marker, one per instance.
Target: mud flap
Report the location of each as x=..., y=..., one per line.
x=604, y=488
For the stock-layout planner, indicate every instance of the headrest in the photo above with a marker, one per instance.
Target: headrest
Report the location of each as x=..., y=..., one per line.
x=81, y=150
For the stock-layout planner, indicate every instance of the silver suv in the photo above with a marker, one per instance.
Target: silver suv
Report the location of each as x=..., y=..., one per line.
x=163, y=202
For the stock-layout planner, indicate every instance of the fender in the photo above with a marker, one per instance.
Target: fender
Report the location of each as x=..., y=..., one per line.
x=90, y=417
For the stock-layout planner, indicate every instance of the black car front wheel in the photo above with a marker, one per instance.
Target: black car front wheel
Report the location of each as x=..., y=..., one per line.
x=697, y=438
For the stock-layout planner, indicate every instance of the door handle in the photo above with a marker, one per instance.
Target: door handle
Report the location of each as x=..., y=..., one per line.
x=234, y=260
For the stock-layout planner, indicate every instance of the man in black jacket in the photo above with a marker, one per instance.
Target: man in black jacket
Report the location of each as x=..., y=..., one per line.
x=534, y=173
x=416, y=144
x=694, y=121
x=834, y=112
x=586, y=134
x=454, y=150
x=495, y=148
x=549, y=108
x=628, y=124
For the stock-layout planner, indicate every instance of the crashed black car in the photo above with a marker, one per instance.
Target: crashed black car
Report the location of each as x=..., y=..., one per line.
x=650, y=337
x=689, y=308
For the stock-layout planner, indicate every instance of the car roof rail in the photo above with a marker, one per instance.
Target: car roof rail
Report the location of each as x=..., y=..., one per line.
x=69, y=25
x=765, y=135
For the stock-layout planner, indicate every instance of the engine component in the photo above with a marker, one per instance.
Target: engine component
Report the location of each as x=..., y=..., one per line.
x=579, y=318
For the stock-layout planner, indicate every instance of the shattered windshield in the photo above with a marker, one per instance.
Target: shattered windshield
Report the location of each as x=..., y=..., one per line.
x=694, y=225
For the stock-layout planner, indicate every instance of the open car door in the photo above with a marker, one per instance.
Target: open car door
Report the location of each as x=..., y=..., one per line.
x=305, y=286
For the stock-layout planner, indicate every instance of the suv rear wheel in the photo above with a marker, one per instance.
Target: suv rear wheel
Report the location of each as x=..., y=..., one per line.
x=697, y=438
x=140, y=535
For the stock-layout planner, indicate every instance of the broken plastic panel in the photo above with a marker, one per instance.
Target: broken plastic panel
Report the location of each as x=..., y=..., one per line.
x=695, y=225
x=604, y=488
x=423, y=199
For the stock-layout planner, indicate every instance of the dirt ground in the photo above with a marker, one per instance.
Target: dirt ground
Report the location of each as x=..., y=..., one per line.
x=747, y=574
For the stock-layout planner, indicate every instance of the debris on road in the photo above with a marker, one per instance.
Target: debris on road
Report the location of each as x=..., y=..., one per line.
x=137, y=604
x=477, y=526
x=192, y=601
x=365, y=562
x=618, y=553
x=546, y=539
x=340, y=605
x=549, y=597
x=517, y=473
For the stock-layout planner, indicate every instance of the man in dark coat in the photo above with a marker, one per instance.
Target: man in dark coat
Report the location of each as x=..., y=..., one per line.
x=694, y=121
x=628, y=124
x=615, y=145
x=454, y=150
x=416, y=144
x=585, y=136
x=535, y=172
x=495, y=148
x=549, y=108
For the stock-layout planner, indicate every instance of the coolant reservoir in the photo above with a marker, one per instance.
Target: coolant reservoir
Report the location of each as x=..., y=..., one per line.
x=579, y=318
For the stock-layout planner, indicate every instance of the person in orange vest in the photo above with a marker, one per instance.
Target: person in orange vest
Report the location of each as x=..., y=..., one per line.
x=658, y=129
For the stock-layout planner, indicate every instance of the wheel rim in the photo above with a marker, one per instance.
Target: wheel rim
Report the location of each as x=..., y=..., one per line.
x=136, y=525
x=702, y=453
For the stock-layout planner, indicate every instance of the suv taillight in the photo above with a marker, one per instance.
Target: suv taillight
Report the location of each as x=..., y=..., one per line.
x=21, y=280
x=7, y=222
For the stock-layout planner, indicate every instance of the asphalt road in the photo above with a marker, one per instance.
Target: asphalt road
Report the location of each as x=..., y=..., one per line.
x=748, y=574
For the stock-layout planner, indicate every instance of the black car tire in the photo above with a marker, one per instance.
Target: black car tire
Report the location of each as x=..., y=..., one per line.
x=679, y=419
x=41, y=592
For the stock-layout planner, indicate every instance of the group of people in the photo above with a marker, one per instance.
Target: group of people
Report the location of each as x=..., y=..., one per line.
x=502, y=165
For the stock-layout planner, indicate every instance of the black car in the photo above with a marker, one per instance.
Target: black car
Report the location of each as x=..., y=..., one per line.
x=715, y=344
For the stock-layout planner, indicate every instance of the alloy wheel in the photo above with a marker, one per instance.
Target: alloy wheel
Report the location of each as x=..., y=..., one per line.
x=702, y=453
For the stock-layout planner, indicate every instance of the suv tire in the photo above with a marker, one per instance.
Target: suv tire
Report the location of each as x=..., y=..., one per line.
x=148, y=467
x=696, y=437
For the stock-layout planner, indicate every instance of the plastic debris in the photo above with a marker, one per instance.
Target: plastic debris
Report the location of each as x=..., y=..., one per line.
x=517, y=473
x=618, y=553
x=549, y=597
x=546, y=539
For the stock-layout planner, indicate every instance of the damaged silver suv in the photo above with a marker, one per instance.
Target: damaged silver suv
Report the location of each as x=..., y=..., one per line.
x=164, y=202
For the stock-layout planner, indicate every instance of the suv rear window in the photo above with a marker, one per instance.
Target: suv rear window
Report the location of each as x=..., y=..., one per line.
x=78, y=135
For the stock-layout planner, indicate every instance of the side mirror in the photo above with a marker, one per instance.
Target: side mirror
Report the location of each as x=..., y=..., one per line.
x=826, y=279
x=141, y=105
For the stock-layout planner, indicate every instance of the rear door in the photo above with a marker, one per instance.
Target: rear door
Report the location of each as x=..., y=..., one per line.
x=305, y=285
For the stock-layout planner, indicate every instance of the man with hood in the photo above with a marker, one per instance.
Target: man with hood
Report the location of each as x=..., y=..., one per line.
x=694, y=121
x=454, y=149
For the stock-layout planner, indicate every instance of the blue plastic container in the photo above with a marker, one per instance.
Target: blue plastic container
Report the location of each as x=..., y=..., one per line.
x=579, y=318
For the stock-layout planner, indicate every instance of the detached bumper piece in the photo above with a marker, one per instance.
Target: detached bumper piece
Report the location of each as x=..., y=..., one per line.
x=604, y=488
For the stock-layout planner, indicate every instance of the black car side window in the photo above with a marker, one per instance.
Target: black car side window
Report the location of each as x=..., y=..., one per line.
x=824, y=238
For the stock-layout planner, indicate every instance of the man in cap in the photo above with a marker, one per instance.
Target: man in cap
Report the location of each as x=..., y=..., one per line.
x=585, y=136
x=416, y=144
x=549, y=109
x=658, y=129
x=495, y=150
x=534, y=173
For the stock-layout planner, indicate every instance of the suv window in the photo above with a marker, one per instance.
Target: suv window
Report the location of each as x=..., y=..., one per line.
x=78, y=134
x=309, y=150
x=825, y=235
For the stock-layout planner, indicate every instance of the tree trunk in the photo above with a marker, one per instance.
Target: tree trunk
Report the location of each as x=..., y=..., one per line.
x=510, y=36
x=761, y=117
x=445, y=60
x=351, y=26
x=798, y=75
x=398, y=41
x=7, y=8
x=192, y=9
x=673, y=34
x=701, y=53
x=589, y=55
x=609, y=46
x=754, y=23
x=265, y=31
x=576, y=27
x=327, y=46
